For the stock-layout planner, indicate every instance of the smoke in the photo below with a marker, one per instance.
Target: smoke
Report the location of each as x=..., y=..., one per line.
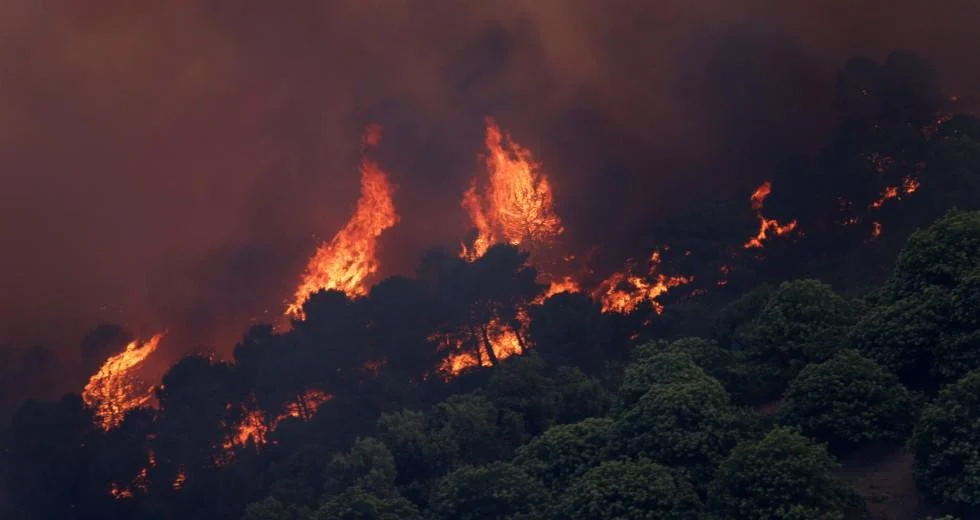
x=173, y=167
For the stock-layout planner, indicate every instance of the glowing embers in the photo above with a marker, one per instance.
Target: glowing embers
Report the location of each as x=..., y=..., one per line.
x=517, y=206
x=767, y=226
x=623, y=292
x=909, y=186
x=350, y=256
x=116, y=388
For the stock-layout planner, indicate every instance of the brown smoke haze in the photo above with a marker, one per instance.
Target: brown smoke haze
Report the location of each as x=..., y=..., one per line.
x=173, y=164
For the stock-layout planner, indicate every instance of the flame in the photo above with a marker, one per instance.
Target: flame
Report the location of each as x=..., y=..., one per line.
x=252, y=428
x=304, y=407
x=518, y=205
x=255, y=429
x=909, y=186
x=349, y=257
x=765, y=225
x=503, y=339
x=115, y=389
x=566, y=284
x=624, y=292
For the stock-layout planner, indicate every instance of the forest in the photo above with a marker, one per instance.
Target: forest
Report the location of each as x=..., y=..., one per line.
x=832, y=374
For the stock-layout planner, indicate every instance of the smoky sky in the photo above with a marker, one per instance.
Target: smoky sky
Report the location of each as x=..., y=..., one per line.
x=173, y=164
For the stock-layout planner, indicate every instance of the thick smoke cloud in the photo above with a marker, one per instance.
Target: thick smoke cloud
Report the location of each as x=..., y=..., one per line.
x=169, y=166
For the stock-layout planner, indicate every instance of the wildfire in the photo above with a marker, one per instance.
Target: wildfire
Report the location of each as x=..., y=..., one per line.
x=766, y=226
x=255, y=429
x=504, y=340
x=518, y=205
x=566, y=284
x=909, y=186
x=350, y=257
x=624, y=292
x=115, y=389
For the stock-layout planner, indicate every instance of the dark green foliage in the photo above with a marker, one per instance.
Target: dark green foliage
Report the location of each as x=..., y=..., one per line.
x=903, y=336
x=785, y=476
x=656, y=366
x=939, y=256
x=419, y=454
x=734, y=317
x=267, y=509
x=689, y=424
x=704, y=352
x=640, y=490
x=356, y=503
x=947, y=463
x=368, y=465
x=848, y=400
x=520, y=389
x=924, y=325
x=570, y=329
x=578, y=396
x=499, y=490
x=565, y=452
x=801, y=322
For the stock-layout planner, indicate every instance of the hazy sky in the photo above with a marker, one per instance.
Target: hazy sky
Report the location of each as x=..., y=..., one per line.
x=168, y=164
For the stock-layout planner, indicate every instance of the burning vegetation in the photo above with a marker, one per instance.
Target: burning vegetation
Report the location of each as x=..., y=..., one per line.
x=350, y=257
x=766, y=226
x=517, y=206
x=117, y=388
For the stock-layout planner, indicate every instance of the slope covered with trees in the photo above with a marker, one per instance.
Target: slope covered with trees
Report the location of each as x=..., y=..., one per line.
x=773, y=395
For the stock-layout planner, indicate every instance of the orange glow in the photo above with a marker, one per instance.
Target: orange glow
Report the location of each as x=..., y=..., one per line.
x=875, y=229
x=350, y=256
x=252, y=428
x=503, y=339
x=518, y=205
x=115, y=389
x=624, y=292
x=255, y=429
x=304, y=407
x=179, y=481
x=766, y=226
x=566, y=284
x=909, y=186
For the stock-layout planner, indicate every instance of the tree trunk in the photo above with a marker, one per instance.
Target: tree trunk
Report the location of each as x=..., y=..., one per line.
x=491, y=355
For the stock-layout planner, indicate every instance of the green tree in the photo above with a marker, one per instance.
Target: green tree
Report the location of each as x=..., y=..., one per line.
x=368, y=465
x=802, y=322
x=420, y=454
x=565, y=452
x=267, y=509
x=924, y=325
x=578, y=396
x=356, y=503
x=689, y=425
x=848, y=400
x=947, y=463
x=939, y=256
x=640, y=490
x=656, y=366
x=500, y=491
x=784, y=476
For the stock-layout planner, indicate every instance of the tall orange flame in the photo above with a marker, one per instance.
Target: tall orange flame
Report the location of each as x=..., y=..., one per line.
x=766, y=225
x=518, y=205
x=115, y=389
x=350, y=256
